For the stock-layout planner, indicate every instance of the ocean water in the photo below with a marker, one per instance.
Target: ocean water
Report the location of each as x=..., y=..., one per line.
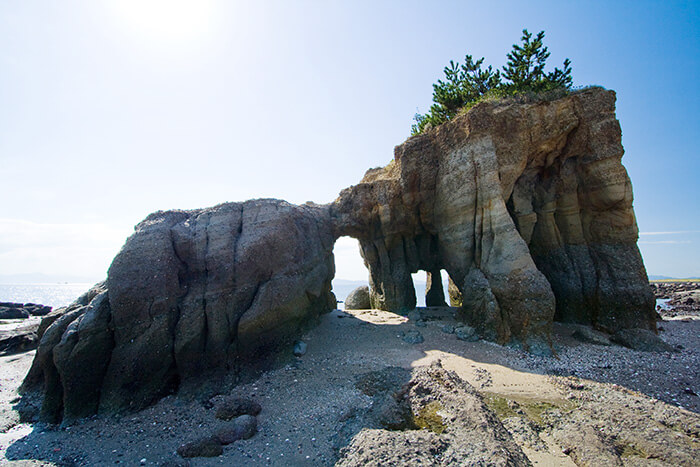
x=58, y=295
x=54, y=295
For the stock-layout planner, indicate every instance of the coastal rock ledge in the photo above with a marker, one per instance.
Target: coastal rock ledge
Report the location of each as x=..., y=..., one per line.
x=525, y=205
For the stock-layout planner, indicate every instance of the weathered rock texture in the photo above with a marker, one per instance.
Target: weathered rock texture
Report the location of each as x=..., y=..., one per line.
x=358, y=299
x=436, y=419
x=527, y=207
x=190, y=293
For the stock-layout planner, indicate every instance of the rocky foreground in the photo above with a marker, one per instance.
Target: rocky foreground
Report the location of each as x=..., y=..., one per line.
x=682, y=298
x=362, y=394
x=19, y=323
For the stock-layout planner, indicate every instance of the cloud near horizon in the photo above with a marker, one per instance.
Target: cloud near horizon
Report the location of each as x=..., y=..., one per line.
x=72, y=249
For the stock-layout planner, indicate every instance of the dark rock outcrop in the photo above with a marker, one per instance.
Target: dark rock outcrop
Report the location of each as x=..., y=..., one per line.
x=525, y=205
x=11, y=310
x=190, y=293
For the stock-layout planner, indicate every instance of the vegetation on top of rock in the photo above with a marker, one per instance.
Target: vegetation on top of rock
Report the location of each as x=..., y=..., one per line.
x=469, y=83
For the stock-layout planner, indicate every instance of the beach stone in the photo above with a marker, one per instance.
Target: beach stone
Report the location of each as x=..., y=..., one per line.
x=466, y=333
x=414, y=315
x=175, y=463
x=358, y=299
x=591, y=336
x=380, y=382
x=448, y=329
x=13, y=313
x=641, y=339
x=421, y=323
x=412, y=337
x=299, y=348
x=18, y=341
x=37, y=310
x=232, y=407
x=243, y=427
x=204, y=447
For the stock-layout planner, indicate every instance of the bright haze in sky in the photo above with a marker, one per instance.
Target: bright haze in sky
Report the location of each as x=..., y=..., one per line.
x=115, y=109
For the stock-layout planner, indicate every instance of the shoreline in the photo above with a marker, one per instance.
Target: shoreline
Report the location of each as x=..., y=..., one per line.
x=312, y=407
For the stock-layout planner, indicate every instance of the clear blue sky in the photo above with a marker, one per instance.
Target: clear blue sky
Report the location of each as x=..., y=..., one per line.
x=111, y=110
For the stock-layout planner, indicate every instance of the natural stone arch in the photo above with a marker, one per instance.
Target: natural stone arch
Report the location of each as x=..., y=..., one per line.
x=525, y=205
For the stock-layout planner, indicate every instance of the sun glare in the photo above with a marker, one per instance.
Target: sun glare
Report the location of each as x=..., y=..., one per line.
x=167, y=20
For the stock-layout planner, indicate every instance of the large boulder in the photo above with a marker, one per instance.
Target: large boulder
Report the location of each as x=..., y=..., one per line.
x=191, y=293
x=358, y=299
x=525, y=205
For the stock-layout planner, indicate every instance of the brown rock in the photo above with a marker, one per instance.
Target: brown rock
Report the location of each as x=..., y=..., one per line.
x=205, y=447
x=243, y=427
x=526, y=206
x=233, y=407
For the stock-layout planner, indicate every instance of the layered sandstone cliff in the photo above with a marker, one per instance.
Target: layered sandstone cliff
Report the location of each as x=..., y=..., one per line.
x=526, y=206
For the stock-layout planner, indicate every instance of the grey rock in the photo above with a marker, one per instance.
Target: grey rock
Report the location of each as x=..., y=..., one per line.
x=412, y=337
x=641, y=339
x=466, y=333
x=13, y=313
x=421, y=323
x=414, y=315
x=591, y=336
x=448, y=329
x=232, y=407
x=243, y=427
x=381, y=382
x=18, y=341
x=299, y=348
x=175, y=463
x=358, y=299
x=204, y=447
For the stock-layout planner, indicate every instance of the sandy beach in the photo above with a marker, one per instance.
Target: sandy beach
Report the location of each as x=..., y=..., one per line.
x=312, y=406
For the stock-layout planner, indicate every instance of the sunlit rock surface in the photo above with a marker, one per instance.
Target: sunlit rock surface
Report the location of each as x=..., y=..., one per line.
x=525, y=205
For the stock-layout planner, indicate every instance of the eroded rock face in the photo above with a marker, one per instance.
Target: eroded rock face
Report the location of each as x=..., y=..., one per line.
x=527, y=207
x=190, y=293
x=444, y=422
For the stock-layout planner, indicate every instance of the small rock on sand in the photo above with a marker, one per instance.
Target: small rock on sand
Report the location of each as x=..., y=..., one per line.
x=243, y=427
x=232, y=407
x=204, y=447
x=466, y=333
x=412, y=337
x=299, y=348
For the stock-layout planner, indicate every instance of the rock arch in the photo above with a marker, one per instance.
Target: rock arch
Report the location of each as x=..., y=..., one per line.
x=525, y=205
